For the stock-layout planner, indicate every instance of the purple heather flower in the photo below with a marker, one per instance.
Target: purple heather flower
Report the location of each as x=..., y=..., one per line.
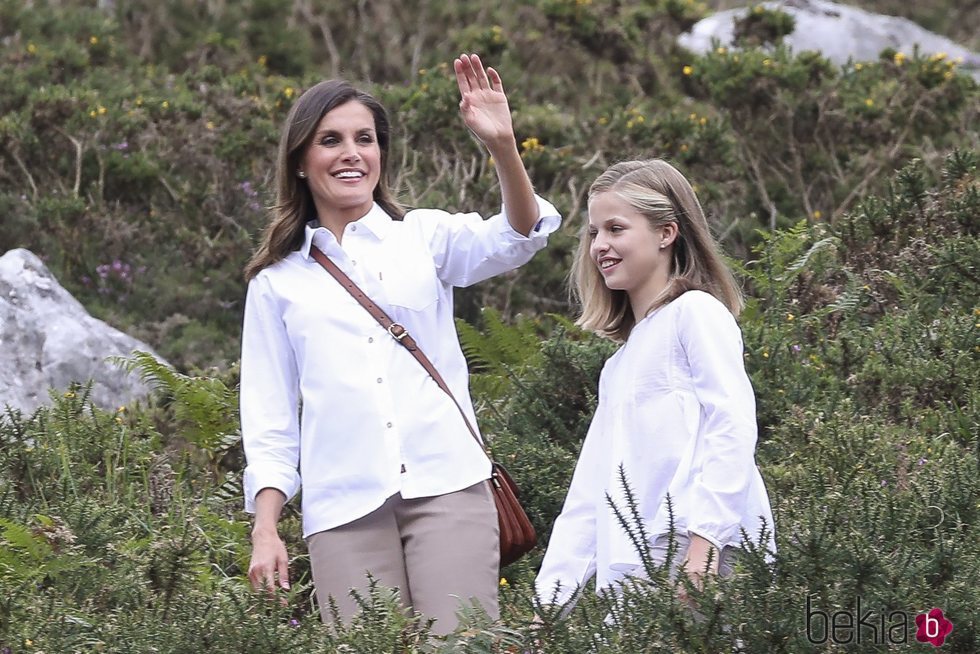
x=122, y=146
x=294, y=622
x=922, y=461
x=796, y=348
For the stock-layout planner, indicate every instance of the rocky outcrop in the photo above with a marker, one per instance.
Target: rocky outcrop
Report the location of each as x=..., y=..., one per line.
x=838, y=32
x=48, y=340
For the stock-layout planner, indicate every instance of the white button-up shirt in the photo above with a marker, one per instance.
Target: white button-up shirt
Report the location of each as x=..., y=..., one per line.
x=677, y=412
x=373, y=423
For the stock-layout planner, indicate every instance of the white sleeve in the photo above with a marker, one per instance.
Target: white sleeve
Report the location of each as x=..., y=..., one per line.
x=570, y=560
x=467, y=249
x=269, y=397
x=712, y=343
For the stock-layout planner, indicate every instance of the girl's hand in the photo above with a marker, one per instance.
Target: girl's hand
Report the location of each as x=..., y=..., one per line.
x=695, y=564
x=269, y=561
x=484, y=105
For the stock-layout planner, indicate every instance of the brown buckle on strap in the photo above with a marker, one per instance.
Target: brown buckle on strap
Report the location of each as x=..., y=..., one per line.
x=397, y=331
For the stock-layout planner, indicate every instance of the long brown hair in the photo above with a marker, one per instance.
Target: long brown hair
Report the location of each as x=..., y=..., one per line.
x=658, y=191
x=294, y=203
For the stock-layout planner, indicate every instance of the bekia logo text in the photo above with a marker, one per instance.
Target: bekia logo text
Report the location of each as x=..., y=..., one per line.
x=857, y=624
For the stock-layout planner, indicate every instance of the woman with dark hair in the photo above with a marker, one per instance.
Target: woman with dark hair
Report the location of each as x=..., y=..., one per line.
x=393, y=484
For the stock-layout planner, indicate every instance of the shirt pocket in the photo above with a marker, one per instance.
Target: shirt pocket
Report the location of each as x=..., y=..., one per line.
x=410, y=280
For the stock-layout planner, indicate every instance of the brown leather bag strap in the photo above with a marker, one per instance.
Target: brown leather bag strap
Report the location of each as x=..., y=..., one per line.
x=396, y=330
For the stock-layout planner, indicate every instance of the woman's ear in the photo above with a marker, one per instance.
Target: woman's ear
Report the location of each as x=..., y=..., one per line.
x=669, y=233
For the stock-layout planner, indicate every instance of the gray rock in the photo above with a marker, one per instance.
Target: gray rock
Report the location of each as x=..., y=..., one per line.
x=839, y=32
x=48, y=340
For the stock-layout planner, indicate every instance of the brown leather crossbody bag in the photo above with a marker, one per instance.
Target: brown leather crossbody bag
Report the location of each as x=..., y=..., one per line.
x=517, y=536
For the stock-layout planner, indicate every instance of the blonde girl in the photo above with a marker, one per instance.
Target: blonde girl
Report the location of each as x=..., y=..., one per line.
x=676, y=410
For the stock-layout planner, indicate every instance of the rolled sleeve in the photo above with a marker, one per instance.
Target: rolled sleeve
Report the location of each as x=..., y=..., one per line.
x=269, y=398
x=468, y=249
x=712, y=342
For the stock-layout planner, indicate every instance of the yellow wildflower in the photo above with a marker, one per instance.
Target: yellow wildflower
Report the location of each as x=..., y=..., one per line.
x=209, y=125
x=817, y=214
x=94, y=40
x=790, y=317
x=899, y=58
x=503, y=582
x=288, y=92
x=688, y=70
x=765, y=355
x=868, y=102
x=92, y=113
x=531, y=144
x=948, y=75
x=262, y=60
x=165, y=104
x=939, y=56
x=767, y=62
x=683, y=147
x=102, y=110
x=693, y=117
x=858, y=66
x=603, y=120
x=703, y=121
x=721, y=51
x=139, y=101
x=31, y=48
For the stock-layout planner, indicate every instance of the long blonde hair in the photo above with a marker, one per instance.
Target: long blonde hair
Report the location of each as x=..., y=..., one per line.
x=658, y=191
x=294, y=203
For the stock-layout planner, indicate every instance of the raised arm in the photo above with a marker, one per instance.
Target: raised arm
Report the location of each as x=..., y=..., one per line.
x=486, y=113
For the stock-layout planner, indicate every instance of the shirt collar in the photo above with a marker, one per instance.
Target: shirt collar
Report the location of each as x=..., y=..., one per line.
x=376, y=220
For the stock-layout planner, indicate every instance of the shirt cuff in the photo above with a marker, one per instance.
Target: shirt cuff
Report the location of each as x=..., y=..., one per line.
x=269, y=475
x=548, y=221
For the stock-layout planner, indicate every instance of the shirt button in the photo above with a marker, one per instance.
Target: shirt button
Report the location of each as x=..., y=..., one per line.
x=370, y=339
x=353, y=228
x=389, y=425
x=379, y=380
x=353, y=263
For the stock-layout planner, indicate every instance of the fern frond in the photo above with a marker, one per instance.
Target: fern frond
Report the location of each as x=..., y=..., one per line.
x=151, y=371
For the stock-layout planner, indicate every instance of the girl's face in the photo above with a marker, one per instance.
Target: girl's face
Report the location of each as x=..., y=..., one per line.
x=343, y=162
x=626, y=248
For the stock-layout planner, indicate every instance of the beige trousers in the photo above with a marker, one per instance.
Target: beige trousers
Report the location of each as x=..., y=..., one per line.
x=437, y=551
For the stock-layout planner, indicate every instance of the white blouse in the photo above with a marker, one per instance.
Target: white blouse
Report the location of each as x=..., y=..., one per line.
x=373, y=423
x=677, y=412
